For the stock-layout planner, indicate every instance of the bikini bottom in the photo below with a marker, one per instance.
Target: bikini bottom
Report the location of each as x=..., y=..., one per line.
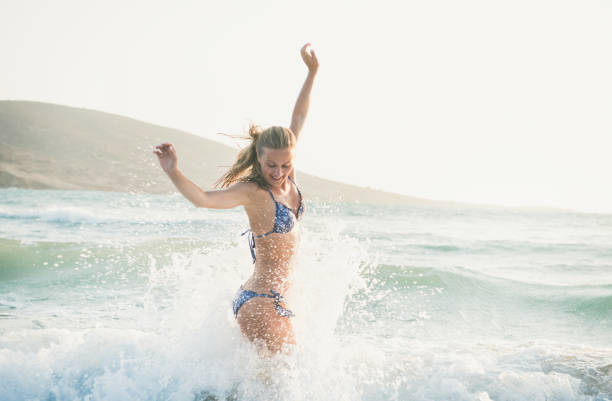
x=244, y=295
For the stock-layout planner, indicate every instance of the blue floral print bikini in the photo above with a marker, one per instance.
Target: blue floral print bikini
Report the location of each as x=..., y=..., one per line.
x=284, y=221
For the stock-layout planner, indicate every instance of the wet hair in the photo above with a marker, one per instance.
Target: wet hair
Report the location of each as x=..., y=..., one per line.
x=246, y=168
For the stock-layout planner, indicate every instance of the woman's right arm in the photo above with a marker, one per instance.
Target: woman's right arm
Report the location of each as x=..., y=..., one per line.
x=236, y=195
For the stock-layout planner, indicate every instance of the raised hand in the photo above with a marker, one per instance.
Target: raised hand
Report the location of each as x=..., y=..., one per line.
x=166, y=154
x=310, y=58
x=300, y=110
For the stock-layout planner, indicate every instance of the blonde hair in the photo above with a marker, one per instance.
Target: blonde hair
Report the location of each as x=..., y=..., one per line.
x=246, y=168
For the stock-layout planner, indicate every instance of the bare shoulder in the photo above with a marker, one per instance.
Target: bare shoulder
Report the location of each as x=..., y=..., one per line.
x=247, y=190
x=244, y=186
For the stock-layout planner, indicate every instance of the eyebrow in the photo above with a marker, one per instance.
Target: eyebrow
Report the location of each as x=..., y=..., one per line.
x=272, y=162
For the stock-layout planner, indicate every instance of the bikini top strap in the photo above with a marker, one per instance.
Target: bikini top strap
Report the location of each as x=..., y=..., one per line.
x=272, y=195
x=296, y=187
x=259, y=235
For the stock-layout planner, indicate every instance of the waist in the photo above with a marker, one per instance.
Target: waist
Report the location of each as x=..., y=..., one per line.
x=265, y=283
x=276, y=249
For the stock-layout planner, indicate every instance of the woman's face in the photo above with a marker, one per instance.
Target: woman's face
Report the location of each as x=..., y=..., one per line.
x=276, y=164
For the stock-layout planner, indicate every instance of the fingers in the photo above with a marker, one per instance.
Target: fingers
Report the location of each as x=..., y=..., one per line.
x=304, y=51
x=309, y=57
x=164, y=148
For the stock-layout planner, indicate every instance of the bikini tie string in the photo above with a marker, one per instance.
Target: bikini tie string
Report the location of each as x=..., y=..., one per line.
x=251, y=243
x=279, y=308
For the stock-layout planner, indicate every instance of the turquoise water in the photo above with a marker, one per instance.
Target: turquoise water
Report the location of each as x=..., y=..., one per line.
x=116, y=296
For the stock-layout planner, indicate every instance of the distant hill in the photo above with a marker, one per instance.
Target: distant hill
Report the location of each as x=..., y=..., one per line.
x=58, y=147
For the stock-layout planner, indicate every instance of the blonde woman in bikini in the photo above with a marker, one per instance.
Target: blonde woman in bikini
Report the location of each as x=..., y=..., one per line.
x=263, y=181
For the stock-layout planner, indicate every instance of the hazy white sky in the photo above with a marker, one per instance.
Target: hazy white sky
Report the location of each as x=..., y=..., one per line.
x=505, y=102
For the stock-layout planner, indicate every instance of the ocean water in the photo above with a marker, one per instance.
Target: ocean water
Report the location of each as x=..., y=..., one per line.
x=118, y=296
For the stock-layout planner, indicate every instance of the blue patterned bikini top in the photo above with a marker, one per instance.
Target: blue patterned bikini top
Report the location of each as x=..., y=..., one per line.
x=284, y=219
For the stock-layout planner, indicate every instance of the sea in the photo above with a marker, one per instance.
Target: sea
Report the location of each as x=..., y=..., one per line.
x=126, y=296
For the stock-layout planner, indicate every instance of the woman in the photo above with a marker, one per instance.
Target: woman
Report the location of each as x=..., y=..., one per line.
x=263, y=181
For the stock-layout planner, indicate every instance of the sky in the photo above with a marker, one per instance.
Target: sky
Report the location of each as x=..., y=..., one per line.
x=491, y=102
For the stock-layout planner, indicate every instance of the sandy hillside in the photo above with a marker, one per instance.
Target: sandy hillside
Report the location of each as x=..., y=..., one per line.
x=51, y=146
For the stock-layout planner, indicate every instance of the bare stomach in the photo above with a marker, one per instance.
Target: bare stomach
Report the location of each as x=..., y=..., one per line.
x=274, y=263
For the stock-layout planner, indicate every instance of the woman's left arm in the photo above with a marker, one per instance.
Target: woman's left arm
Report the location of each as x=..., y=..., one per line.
x=300, y=111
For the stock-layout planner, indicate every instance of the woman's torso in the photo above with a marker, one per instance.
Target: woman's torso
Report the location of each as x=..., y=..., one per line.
x=274, y=220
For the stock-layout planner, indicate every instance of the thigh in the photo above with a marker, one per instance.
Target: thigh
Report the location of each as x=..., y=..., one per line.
x=258, y=320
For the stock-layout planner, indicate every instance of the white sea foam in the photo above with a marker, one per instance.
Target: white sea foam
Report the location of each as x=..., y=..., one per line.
x=185, y=345
x=409, y=314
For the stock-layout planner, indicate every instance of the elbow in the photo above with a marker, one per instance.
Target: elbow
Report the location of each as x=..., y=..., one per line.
x=200, y=200
x=197, y=202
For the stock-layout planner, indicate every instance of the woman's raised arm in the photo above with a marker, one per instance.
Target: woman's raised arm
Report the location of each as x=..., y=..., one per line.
x=300, y=111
